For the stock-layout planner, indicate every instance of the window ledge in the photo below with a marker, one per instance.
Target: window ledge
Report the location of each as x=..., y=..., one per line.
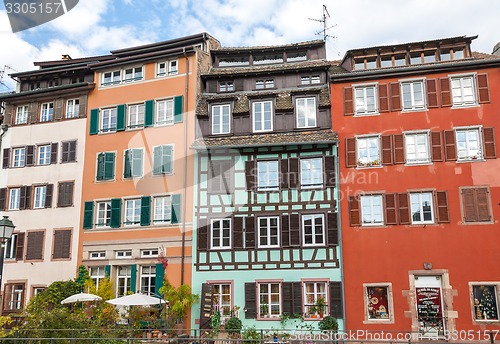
x=470, y=160
x=380, y=321
x=358, y=167
x=135, y=127
x=478, y=223
x=105, y=181
x=376, y=225
x=426, y=163
x=464, y=106
x=366, y=114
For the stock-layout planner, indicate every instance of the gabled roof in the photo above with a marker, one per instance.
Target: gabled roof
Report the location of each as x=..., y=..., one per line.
x=265, y=48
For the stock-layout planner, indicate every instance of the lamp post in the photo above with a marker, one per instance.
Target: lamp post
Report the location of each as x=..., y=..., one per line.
x=6, y=230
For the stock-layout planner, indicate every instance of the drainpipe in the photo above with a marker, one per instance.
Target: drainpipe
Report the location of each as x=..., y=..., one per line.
x=4, y=127
x=339, y=217
x=184, y=198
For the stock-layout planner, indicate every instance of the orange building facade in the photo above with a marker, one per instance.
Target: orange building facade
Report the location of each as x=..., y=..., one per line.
x=418, y=127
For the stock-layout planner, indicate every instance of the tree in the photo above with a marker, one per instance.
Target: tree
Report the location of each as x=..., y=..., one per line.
x=179, y=299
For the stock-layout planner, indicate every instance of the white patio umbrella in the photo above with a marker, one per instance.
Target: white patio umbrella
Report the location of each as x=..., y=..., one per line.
x=81, y=297
x=137, y=299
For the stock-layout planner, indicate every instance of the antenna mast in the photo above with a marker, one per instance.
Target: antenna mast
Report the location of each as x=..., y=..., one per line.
x=2, y=72
x=323, y=20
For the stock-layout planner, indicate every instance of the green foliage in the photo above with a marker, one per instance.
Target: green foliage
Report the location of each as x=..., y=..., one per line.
x=328, y=324
x=250, y=335
x=233, y=325
x=51, y=297
x=179, y=299
x=4, y=323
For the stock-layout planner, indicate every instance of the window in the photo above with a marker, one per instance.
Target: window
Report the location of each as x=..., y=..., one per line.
x=221, y=233
x=108, y=120
x=314, y=291
x=148, y=279
x=267, y=175
x=14, y=198
x=40, y=195
x=262, y=116
x=234, y=61
x=172, y=67
x=161, y=69
x=132, y=211
x=417, y=148
x=44, y=155
x=123, y=280
x=313, y=227
x=368, y=151
x=222, y=299
x=421, y=208
x=47, y=112
x=103, y=214
x=267, y=59
x=220, y=174
x=38, y=290
x=105, y=166
x=163, y=159
x=165, y=112
x=468, y=144
x=72, y=108
x=221, y=119
x=265, y=83
x=97, y=255
x=68, y=153
x=413, y=95
x=132, y=74
x=133, y=163
x=9, y=250
x=311, y=173
x=378, y=303
x=372, y=210
x=296, y=56
x=162, y=209
x=463, y=90
x=62, y=244
x=365, y=100
x=485, y=302
x=268, y=231
x=22, y=114
x=310, y=79
x=97, y=273
x=136, y=116
x=123, y=254
x=149, y=253
x=476, y=204
x=65, y=194
x=226, y=86
x=34, y=247
x=306, y=112
x=269, y=300
x=19, y=157
x=111, y=78
x=13, y=297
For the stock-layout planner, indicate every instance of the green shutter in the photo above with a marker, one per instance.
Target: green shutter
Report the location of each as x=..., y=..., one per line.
x=116, y=212
x=145, y=210
x=136, y=162
x=107, y=271
x=167, y=159
x=176, y=209
x=100, y=166
x=178, y=109
x=109, y=166
x=88, y=215
x=127, y=170
x=120, y=117
x=159, y=278
x=157, y=165
x=133, y=278
x=94, y=121
x=149, y=113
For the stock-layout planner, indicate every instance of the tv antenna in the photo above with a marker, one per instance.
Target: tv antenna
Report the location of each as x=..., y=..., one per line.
x=2, y=73
x=323, y=20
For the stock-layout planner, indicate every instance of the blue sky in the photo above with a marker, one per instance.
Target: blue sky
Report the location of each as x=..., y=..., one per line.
x=95, y=27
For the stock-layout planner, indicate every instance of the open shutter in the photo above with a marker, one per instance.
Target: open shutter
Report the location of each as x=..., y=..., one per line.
x=390, y=209
x=444, y=84
x=116, y=211
x=250, y=301
x=23, y=202
x=120, y=117
x=20, y=246
x=159, y=277
x=3, y=198
x=94, y=121
x=176, y=216
x=489, y=143
x=100, y=166
x=178, y=109
x=6, y=158
x=404, y=209
x=354, y=211
x=285, y=230
x=348, y=101
x=30, y=155
x=145, y=210
x=127, y=164
x=206, y=305
x=49, y=195
x=399, y=149
x=336, y=300
x=58, y=109
x=238, y=232
x=294, y=230
x=157, y=163
x=293, y=173
x=483, y=204
x=395, y=97
x=53, y=153
x=107, y=271
x=202, y=234
x=436, y=146
x=432, y=96
x=133, y=278
x=383, y=94
x=88, y=215
x=167, y=159
x=109, y=166
x=330, y=171
x=450, y=150
x=350, y=149
x=250, y=232
x=250, y=174
x=333, y=232
x=284, y=174
x=82, y=107
x=483, y=90
x=441, y=199
x=386, y=149
x=149, y=113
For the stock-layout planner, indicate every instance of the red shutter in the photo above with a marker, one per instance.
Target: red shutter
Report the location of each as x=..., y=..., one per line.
x=483, y=204
x=390, y=209
x=251, y=174
x=354, y=211
x=395, y=97
x=383, y=94
x=489, y=143
x=436, y=146
x=443, y=215
x=350, y=150
x=404, y=209
x=432, y=96
x=348, y=102
x=450, y=149
x=483, y=89
x=469, y=205
x=444, y=84
x=399, y=149
x=386, y=149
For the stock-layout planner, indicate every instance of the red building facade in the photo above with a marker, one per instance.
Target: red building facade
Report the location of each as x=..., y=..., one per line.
x=418, y=126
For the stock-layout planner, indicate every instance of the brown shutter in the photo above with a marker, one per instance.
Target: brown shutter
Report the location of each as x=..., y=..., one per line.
x=30, y=155
x=399, y=149
x=285, y=230
x=333, y=233
x=450, y=150
x=64, y=151
x=6, y=158
x=348, y=102
x=444, y=84
x=251, y=174
x=48, y=195
x=432, y=96
x=65, y=194
x=34, y=247
x=469, y=205
x=284, y=174
x=330, y=171
x=287, y=301
x=62, y=244
x=53, y=153
x=350, y=149
x=250, y=301
x=3, y=198
x=336, y=300
x=24, y=197
x=294, y=230
x=58, y=109
x=293, y=173
x=483, y=89
x=489, y=143
x=483, y=205
x=82, y=106
x=206, y=305
x=250, y=232
x=354, y=211
x=395, y=97
x=383, y=94
x=297, y=299
x=20, y=246
x=33, y=113
x=72, y=151
x=239, y=84
x=404, y=209
x=238, y=232
x=202, y=234
x=386, y=149
x=443, y=215
x=436, y=146
x=390, y=209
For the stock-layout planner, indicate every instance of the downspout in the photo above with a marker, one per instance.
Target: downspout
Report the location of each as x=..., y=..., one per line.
x=339, y=217
x=184, y=186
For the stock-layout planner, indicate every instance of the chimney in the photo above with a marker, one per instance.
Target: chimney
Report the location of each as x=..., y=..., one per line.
x=496, y=49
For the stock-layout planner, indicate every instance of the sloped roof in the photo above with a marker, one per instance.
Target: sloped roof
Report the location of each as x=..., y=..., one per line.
x=282, y=47
x=271, y=68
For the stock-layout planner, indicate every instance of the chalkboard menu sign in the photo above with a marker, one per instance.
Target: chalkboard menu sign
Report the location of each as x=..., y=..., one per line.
x=207, y=302
x=429, y=305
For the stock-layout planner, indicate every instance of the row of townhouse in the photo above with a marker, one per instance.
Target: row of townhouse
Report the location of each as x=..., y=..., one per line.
x=268, y=177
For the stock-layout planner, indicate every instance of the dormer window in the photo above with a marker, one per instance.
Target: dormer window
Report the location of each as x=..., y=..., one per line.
x=261, y=84
x=233, y=61
x=226, y=86
x=297, y=56
x=310, y=79
x=221, y=117
x=267, y=59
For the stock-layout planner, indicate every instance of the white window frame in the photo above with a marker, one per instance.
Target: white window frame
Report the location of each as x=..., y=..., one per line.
x=22, y=114
x=107, y=120
x=101, y=215
x=414, y=105
x=264, y=83
x=308, y=171
x=312, y=291
x=73, y=108
x=149, y=253
x=371, y=161
x=165, y=204
x=148, y=273
x=264, y=173
x=271, y=306
x=303, y=113
x=218, y=129
x=363, y=108
x=97, y=273
x=19, y=157
x=47, y=112
x=419, y=194
x=43, y=156
x=114, y=78
x=223, y=301
x=136, y=160
x=40, y=195
x=164, y=112
x=220, y=237
x=416, y=146
x=164, y=160
x=260, y=113
x=459, y=92
x=496, y=295
x=469, y=156
x=372, y=207
x=173, y=67
x=367, y=301
x=135, y=116
x=10, y=247
x=97, y=255
x=136, y=75
x=123, y=254
x=123, y=279
x=314, y=233
x=14, y=198
x=267, y=235
x=132, y=212
x=226, y=86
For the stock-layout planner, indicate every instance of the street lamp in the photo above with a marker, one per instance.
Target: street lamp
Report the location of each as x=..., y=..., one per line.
x=6, y=230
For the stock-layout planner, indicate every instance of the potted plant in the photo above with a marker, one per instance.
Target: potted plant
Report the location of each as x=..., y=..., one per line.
x=264, y=311
x=320, y=306
x=233, y=326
